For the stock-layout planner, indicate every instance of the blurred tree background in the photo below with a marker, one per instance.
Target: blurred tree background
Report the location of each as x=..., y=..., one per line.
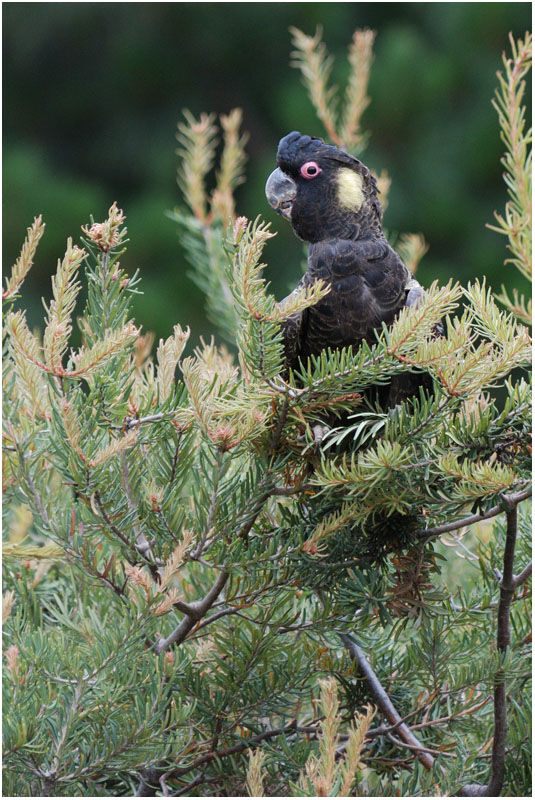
x=93, y=92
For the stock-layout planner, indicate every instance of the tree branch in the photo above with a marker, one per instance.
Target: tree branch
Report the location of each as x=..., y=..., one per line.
x=219, y=468
x=195, y=782
x=152, y=776
x=503, y=639
x=510, y=500
x=135, y=422
x=384, y=702
x=523, y=576
x=223, y=613
x=50, y=776
x=277, y=431
x=120, y=535
x=142, y=545
x=237, y=748
x=419, y=749
x=194, y=612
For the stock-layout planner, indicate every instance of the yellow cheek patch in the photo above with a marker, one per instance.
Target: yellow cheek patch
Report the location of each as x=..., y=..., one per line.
x=350, y=189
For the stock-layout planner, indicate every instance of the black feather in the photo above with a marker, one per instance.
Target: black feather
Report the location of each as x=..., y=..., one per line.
x=348, y=250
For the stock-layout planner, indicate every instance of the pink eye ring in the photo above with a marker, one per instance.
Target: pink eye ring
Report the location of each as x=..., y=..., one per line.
x=310, y=170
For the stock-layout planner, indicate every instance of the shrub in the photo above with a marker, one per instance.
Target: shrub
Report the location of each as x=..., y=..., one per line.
x=198, y=599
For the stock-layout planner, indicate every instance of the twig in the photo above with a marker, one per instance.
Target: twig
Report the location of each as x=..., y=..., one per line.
x=523, y=576
x=135, y=422
x=120, y=535
x=283, y=388
x=503, y=639
x=441, y=407
x=384, y=702
x=152, y=776
x=135, y=550
x=219, y=469
x=509, y=499
x=420, y=749
x=288, y=491
x=237, y=748
x=198, y=780
x=32, y=487
x=175, y=460
x=48, y=522
x=142, y=545
x=384, y=730
x=50, y=776
x=194, y=612
x=277, y=431
x=223, y=613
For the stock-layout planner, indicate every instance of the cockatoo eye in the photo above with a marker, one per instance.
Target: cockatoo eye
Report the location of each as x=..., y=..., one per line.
x=310, y=170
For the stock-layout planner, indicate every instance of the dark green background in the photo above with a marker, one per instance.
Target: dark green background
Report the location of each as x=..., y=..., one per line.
x=93, y=92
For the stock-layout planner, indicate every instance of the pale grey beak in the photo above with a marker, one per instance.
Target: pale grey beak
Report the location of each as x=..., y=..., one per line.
x=280, y=192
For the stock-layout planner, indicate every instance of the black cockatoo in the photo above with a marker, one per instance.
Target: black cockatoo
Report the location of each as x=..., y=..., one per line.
x=330, y=199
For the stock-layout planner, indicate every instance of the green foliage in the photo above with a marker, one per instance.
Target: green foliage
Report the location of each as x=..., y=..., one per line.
x=515, y=223
x=183, y=556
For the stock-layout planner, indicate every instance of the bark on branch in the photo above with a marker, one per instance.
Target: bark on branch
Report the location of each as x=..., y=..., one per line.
x=385, y=704
x=503, y=638
x=510, y=500
x=193, y=613
x=153, y=776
